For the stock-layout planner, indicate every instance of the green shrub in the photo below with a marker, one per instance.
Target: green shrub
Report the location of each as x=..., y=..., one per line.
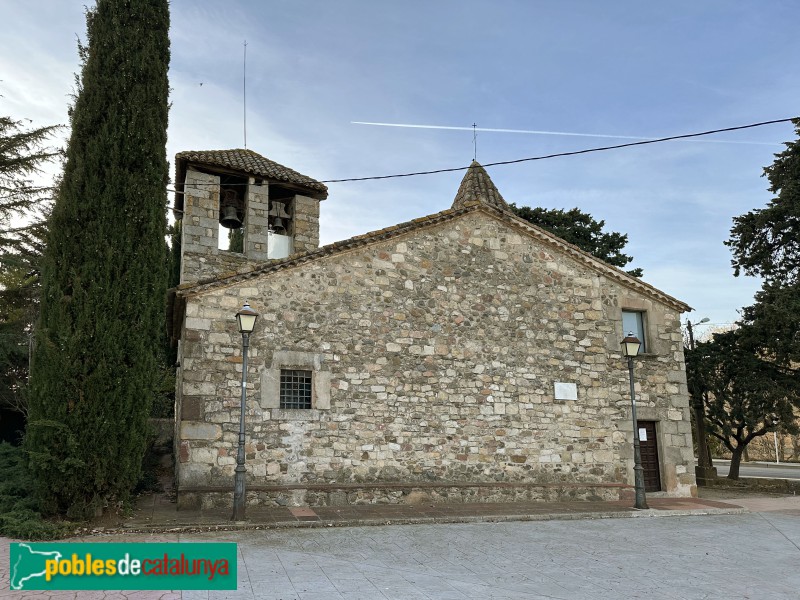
x=19, y=515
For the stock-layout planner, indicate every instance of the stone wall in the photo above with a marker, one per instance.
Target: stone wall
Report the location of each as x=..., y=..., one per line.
x=200, y=233
x=406, y=493
x=306, y=224
x=440, y=350
x=763, y=448
x=205, y=265
x=256, y=222
x=200, y=256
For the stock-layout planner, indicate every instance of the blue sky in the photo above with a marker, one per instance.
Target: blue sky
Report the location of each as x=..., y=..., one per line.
x=617, y=68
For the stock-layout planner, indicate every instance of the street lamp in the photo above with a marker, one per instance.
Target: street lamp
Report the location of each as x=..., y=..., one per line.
x=689, y=325
x=246, y=319
x=704, y=469
x=630, y=348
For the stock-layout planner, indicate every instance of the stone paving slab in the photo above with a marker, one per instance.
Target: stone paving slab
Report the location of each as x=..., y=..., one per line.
x=784, y=504
x=731, y=557
x=155, y=513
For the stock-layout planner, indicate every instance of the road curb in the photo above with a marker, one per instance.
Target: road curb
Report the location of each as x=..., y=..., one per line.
x=376, y=522
x=765, y=465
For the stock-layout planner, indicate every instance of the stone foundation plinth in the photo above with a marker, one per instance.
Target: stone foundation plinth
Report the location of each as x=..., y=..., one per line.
x=400, y=493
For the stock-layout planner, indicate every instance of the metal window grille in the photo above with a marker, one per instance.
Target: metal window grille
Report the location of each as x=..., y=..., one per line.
x=295, y=388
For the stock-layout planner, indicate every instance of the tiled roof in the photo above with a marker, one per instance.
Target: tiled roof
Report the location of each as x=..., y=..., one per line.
x=246, y=162
x=477, y=186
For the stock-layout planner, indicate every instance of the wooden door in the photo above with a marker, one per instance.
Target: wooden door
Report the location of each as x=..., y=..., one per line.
x=649, y=449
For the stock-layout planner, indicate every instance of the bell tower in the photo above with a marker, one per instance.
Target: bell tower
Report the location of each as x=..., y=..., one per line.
x=238, y=208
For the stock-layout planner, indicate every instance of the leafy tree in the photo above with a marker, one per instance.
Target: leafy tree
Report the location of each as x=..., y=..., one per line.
x=19, y=302
x=766, y=241
x=23, y=152
x=15, y=321
x=95, y=364
x=772, y=323
x=745, y=395
x=580, y=229
x=748, y=379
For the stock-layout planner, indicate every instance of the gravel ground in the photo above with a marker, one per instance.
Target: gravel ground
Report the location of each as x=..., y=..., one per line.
x=735, y=491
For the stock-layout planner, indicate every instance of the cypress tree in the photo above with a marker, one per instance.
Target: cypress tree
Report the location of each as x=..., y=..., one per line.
x=95, y=366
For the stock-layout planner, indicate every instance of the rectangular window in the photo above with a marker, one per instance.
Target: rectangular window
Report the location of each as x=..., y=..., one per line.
x=633, y=322
x=295, y=391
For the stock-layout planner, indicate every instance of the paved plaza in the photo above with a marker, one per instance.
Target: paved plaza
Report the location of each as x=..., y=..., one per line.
x=753, y=555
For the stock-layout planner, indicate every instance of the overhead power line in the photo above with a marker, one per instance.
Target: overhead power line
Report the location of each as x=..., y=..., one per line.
x=572, y=153
x=548, y=156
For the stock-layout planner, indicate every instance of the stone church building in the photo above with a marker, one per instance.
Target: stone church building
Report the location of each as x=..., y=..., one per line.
x=466, y=355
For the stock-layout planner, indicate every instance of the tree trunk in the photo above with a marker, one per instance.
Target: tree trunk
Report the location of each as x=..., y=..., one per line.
x=736, y=459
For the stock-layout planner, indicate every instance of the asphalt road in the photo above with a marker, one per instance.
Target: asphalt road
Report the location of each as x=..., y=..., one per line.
x=760, y=470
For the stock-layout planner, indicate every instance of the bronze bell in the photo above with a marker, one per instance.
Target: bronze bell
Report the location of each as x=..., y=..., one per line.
x=278, y=225
x=230, y=217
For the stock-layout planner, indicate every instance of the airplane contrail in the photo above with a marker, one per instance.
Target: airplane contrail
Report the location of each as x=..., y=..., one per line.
x=538, y=132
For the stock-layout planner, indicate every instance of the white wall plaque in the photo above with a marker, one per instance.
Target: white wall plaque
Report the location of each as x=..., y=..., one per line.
x=566, y=391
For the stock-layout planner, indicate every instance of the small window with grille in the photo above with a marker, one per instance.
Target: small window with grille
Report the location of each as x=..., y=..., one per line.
x=295, y=391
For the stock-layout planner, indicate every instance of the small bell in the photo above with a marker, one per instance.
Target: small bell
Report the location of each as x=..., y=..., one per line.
x=230, y=218
x=279, y=226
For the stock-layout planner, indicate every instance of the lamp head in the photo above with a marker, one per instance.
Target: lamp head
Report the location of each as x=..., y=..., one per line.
x=630, y=345
x=246, y=318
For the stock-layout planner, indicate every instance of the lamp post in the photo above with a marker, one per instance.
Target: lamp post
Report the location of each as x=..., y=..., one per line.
x=704, y=469
x=630, y=348
x=246, y=319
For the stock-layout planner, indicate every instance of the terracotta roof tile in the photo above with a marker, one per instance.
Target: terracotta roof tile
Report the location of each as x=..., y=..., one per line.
x=246, y=162
x=251, y=163
x=477, y=186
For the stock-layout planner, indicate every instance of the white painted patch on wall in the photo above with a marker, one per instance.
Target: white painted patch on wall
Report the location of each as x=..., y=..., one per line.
x=278, y=246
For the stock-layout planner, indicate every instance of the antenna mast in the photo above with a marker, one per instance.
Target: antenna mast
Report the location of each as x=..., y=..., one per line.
x=244, y=93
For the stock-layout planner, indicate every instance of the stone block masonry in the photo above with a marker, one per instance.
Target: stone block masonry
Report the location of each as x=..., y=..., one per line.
x=306, y=224
x=441, y=348
x=200, y=256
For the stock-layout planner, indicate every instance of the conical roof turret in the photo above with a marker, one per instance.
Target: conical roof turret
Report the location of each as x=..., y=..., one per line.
x=477, y=186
